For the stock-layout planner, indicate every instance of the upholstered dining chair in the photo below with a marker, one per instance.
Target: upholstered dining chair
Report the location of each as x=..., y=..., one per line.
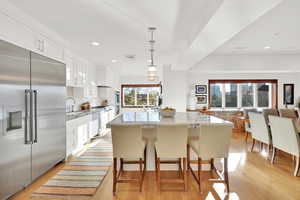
x=128, y=145
x=247, y=123
x=289, y=113
x=171, y=144
x=260, y=131
x=213, y=142
x=285, y=138
x=269, y=111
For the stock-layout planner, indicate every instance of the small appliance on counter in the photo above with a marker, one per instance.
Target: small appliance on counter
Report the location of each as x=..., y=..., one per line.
x=85, y=106
x=167, y=112
x=104, y=103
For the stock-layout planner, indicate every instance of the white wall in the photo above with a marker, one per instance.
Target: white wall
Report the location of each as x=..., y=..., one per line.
x=174, y=89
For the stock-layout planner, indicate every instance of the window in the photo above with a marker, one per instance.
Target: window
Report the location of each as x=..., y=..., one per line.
x=242, y=93
x=263, y=95
x=140, y=95
x=216, y=95
x=231, y=95
x=247, y=95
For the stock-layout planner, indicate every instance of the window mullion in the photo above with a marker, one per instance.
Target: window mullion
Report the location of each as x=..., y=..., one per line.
x=270, y=95
x=239, y=96
x=255, y=97
x=135, y=96
x=223, y=96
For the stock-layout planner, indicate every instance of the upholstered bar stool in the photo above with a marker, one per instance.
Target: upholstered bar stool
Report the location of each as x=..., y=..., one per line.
x=260, y=131
x=285, y=138
x=214, y=141
x=171, y=144
x=128, y=144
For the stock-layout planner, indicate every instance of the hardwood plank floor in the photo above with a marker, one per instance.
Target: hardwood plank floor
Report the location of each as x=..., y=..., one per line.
x=251, y=176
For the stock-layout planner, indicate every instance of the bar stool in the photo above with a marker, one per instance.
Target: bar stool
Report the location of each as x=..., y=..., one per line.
x=128, y=144
x=214, y=141
x=171, y=144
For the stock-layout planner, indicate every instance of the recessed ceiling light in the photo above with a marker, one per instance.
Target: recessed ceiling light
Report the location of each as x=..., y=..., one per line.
x=95, y=43
x=267, y=47
x=240, y=48
x=113, y=61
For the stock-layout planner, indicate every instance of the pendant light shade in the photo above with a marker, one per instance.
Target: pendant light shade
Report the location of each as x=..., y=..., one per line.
x=152, y=68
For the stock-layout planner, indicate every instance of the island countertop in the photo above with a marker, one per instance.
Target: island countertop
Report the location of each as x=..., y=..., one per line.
x=154, y=118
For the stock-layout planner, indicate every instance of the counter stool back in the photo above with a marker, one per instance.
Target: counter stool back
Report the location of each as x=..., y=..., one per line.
x=128, y=144
x=214, y=142
x=171, y=144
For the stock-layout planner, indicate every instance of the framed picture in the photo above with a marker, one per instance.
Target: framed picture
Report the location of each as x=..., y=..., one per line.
x=288, y=94
x=200, y=89
x=202, y=99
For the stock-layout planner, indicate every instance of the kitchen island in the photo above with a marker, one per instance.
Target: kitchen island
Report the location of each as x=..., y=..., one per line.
x=150, y=120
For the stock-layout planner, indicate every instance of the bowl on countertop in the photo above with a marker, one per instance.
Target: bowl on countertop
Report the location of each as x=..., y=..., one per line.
x=167, y=112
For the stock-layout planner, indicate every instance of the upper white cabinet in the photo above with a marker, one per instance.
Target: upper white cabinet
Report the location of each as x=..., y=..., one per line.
x=107, y=77
x=21, y=35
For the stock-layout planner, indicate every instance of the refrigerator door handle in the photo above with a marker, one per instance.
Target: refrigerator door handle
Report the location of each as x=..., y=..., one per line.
x=27, y=139
x=35, y=117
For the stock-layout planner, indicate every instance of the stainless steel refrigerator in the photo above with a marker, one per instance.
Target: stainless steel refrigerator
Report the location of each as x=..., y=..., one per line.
x=32, y=116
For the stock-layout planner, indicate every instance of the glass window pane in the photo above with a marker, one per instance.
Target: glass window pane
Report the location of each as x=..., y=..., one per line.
x=216, y=95
x=129, y=96
x=263, y=95
x=153, y=96
x=142, y=96
x=230, y=95
x=247, y=95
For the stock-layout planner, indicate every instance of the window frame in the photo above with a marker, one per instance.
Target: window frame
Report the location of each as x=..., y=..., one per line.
x=137, y=86
x=273, y=94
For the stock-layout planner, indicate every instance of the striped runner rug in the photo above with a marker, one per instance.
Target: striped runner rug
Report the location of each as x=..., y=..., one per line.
x=82, y=175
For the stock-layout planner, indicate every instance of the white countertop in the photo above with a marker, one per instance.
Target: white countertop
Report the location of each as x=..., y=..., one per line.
x=154, y=118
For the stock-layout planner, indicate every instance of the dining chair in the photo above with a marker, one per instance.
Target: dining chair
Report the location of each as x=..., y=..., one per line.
x=289, y=113
x=269, y=111
x=260, y=131
x=285, y=138
x=213, y=142
x=171, y=144
x=128, y=146
x=247, y=123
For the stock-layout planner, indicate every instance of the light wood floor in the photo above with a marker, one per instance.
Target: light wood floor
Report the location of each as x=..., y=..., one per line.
x=251, y=177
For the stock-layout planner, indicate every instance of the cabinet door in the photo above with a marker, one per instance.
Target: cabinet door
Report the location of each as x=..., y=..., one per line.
x=69, y=72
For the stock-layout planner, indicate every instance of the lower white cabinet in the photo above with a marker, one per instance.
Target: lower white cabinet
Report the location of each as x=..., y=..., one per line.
x=78, y=134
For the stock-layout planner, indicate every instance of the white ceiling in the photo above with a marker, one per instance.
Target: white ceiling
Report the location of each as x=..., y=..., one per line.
x=188, y=31
x=278, y=29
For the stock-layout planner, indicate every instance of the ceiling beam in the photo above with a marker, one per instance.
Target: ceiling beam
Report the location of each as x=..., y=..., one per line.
x=231, y=17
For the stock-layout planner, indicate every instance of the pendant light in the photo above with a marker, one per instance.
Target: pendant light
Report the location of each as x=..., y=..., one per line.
x=152, y=68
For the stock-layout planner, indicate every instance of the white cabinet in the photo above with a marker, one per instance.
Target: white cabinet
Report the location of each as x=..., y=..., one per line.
x=94, y=127
x=76, y=71
x=21, y=35
x=78, y=134
x=105, y=77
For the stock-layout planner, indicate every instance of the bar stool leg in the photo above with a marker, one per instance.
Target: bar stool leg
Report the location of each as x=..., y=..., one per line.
x=158, y=174
x=297, y=165
x=226, y=173
x=184, y=173
x=155, y=155
x=199, y=173
x=253, y=143
x=141, y=173
x=188, y=156
x=114, y=175
x=180, y=167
